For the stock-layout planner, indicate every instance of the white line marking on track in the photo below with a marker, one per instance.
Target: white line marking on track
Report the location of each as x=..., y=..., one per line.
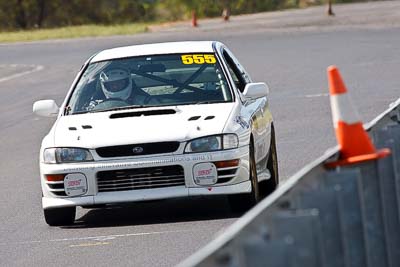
x=89, y=244
x=316, y=95
x=13, y=76
x=96, y=238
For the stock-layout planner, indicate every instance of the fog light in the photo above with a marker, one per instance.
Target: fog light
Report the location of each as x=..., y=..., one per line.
x=75, y=184
x=205, y=174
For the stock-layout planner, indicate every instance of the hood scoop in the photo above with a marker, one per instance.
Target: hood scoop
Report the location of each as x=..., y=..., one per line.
x=72, y=128
x=194, y=118
x=142, y=113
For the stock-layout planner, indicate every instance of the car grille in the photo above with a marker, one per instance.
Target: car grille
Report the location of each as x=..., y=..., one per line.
x=143, y=178
x=57, y=188
x=226, y=174
x=137, y=149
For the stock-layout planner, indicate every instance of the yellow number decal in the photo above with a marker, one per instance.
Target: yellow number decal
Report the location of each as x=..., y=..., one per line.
x=198, y=59
x=210, y=59
x=187, y=59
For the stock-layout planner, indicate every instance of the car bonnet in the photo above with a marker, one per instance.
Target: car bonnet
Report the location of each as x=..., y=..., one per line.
x=179, y=123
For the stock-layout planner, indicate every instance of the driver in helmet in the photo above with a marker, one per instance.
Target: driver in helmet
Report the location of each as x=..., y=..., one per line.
x=116, y=83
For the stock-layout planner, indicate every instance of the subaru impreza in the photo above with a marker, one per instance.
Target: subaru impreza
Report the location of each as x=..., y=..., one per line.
x=158, y=121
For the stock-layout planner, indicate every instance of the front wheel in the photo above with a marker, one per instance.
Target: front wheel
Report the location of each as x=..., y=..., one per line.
x=244, y=202
x=269, y=186
x=60, y=216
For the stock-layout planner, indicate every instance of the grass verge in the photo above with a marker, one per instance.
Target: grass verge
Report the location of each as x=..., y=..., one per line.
x=72, y=32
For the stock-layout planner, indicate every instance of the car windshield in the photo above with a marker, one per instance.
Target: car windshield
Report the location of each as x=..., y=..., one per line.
x=160, y=80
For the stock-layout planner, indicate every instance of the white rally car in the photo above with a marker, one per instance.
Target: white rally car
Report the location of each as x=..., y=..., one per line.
x=158, y=121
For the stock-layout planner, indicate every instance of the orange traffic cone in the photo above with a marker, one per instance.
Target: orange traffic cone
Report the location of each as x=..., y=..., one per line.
x=355, y=144
x=194, y=19
x=226, y=13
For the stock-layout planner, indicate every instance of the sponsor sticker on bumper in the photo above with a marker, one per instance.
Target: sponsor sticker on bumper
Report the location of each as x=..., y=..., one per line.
x=205, y=174
x=75, y=184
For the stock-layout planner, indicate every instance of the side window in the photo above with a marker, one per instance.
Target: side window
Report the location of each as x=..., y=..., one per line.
x=239, y=77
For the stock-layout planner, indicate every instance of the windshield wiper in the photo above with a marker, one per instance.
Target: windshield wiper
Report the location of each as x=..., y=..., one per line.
x=120, y=108
x=208, y=102
x=110, y=109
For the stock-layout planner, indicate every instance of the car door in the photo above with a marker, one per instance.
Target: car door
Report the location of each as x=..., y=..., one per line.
x=256, y=111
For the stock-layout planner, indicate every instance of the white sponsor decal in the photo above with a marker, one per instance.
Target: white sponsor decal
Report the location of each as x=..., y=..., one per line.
x=75, y=184
x=205, y=174
x=148, y=163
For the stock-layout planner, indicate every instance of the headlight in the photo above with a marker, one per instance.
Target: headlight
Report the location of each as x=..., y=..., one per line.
x=230, y=141
x=66, y=155
x=212, y=143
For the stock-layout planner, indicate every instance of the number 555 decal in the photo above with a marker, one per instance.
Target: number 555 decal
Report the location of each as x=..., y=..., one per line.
x=198, y=59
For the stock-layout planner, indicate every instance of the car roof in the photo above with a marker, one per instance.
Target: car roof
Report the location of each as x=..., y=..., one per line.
x=155, y=49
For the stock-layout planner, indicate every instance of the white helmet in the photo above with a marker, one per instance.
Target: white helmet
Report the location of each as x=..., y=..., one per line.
x=116, y=83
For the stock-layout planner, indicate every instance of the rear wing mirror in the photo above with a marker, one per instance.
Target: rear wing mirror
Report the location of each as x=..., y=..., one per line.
x=46, y=108
x=255, y=90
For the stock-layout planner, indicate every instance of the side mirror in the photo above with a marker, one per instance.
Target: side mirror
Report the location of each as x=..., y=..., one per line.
x=255, y=90
x=45, y=108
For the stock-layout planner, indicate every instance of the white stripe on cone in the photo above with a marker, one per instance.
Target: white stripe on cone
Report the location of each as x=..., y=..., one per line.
x=343, y=110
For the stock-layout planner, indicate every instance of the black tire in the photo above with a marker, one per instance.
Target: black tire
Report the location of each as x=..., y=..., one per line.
x=269, y=186
x=60, y=216
x=244, y=202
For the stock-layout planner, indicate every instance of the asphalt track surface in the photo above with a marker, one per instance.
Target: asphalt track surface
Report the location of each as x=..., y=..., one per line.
x=164, y=233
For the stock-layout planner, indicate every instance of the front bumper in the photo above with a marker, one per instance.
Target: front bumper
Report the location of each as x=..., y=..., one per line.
x=239, y=183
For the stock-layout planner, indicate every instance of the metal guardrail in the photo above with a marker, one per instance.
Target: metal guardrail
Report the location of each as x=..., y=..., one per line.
x=347, y=216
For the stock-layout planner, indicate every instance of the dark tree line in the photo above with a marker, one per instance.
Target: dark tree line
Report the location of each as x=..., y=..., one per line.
x=27, y=14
